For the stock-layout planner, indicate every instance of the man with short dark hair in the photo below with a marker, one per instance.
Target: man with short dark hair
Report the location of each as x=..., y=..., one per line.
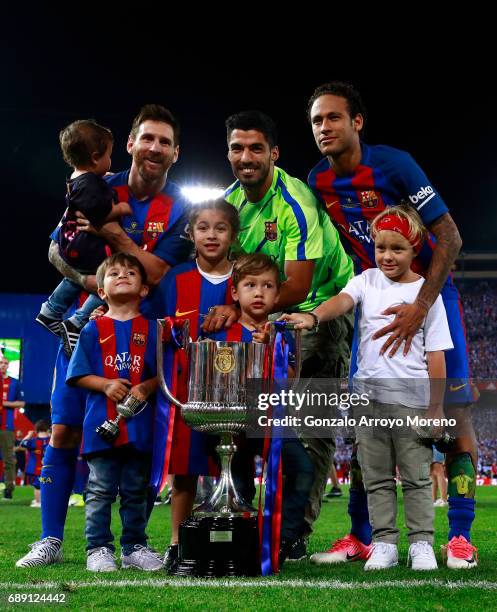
x=354, y=182
x=280, y=217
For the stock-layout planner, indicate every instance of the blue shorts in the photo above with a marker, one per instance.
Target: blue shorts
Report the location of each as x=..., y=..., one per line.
x=459, y=389
x=32, y=480
x=67, y=403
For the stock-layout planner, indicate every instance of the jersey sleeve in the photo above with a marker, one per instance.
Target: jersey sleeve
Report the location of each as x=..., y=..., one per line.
x=356, y=288
x=303, y=231
x=81, y=362
x=436, y=328
x=418, y=190
x=174, y=245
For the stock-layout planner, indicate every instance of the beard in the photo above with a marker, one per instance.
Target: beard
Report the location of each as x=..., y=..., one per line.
x=152, y=173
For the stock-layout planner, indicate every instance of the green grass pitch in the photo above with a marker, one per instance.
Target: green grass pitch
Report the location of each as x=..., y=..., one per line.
x=299, y=586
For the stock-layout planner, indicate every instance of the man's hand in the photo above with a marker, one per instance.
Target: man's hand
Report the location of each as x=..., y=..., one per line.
x=408, y=319
x=117, y=389
x=219, y=317
x=301, y=320
x=98, y=312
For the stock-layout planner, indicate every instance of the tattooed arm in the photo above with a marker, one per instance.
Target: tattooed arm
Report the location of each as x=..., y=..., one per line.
x=86, y=281
x=409, y=317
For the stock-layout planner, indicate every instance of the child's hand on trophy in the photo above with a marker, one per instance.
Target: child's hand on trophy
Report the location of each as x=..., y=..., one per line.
x=117, y=389
x=144, y=389
x=261, y=333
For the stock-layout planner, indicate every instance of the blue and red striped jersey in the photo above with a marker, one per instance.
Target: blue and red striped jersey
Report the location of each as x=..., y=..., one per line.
x=11, y=392
x=158, y=224
x=36, y=449
x=115, y=349
x=384, y=177
x=236, y=333
x=185, y=293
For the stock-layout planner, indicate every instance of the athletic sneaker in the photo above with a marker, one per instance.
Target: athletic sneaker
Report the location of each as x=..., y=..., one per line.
x=7, y=494
x=383, y=556
x=460, y=553
x=171, y=558
x=35, y=504
x=43, y=552
x=101, y=559
x=167, y=499
x=334, y=492
x=421, y=556
x=70, y=336
x=76, y=500
x=439, y=503
x=142, y=558
x=50, y=324
x=292, y=550
x=345, y=549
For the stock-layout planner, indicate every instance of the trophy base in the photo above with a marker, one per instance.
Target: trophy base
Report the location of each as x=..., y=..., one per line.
x=218, y=546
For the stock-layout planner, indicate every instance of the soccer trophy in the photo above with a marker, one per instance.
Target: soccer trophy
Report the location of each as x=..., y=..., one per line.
x=127, y=408
x=221, y=536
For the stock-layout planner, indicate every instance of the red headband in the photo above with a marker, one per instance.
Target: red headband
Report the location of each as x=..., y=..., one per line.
x=400, y=225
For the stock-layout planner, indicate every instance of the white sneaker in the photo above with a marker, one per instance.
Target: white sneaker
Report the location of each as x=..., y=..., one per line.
x=421, y=556
x=35, y=504
x=382, y=556
x=439, y=503
x=101, y=559
x=142, y=558
x=43, y=552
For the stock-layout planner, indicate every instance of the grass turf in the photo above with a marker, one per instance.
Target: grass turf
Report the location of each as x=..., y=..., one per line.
x=477, y=588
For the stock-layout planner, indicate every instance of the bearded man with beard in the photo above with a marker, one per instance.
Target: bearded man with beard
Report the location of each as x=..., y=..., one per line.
x=155, y=234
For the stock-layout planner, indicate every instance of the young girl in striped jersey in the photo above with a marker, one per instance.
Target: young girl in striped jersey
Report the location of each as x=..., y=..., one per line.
x=188, y=291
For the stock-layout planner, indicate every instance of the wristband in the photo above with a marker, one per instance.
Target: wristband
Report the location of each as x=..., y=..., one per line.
x=316, y=321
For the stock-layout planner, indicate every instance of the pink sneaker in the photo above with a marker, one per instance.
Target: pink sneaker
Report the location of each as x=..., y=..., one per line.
x=460, y=553
x=343, y=550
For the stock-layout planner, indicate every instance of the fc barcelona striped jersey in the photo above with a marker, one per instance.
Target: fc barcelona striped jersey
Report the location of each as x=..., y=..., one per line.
x=185, y=294
x=384, y=177
x=157, y=224
x=288, y=225
x=36, y=449
x=12, y=392
x=115, y=349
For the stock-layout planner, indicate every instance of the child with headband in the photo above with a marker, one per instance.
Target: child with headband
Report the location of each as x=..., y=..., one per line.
x=397, y=387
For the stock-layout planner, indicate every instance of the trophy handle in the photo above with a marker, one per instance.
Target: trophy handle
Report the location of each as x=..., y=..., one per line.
x=161, y=323
x=298, y=347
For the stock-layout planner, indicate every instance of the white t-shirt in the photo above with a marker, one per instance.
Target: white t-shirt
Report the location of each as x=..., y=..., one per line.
x=387, y=377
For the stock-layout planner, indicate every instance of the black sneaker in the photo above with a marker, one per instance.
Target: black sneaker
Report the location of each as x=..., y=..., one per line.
x=70, y=336
x=334, y=492
x=7, y=494
x=52, y=325
x=292, y=550
x=167, y=499
x=298, y=550
x=171, y=558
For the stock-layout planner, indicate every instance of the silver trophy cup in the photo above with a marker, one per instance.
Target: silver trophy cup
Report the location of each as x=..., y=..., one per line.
x=218, y=374
x=127, y=408
x=221, y=537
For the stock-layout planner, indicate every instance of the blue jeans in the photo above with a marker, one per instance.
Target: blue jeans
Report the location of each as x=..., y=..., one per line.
x=126, y=472
x=63, y=297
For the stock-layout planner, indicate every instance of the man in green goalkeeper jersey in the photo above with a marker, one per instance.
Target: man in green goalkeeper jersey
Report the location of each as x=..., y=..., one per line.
x=279, y=216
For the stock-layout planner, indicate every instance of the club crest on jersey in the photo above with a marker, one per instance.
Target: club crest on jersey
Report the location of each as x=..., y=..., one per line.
x=154, y=228
x=139, y=339
x=225, y=360
x=369, y=199
x=271, y=231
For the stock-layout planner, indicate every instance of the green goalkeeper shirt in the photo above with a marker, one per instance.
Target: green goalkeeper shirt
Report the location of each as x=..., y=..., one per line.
x=289, y=224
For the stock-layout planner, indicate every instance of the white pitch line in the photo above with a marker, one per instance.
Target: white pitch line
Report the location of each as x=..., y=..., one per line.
x=251, y=583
